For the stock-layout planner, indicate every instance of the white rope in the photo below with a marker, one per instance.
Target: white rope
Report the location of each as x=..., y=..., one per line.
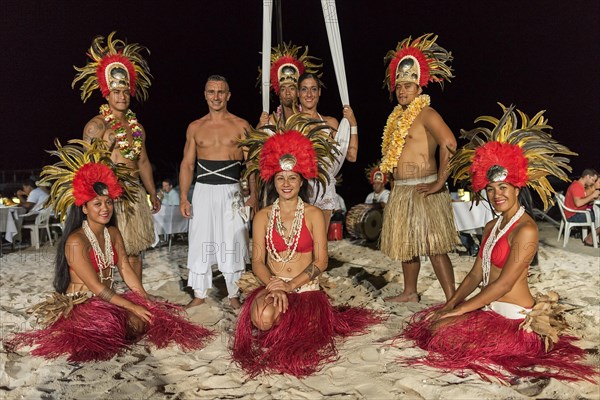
x=266, y=52
x=335, y=44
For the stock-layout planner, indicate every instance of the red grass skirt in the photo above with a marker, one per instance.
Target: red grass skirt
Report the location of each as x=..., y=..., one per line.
x=304, y=339
x=97, y=330
x=493, y=346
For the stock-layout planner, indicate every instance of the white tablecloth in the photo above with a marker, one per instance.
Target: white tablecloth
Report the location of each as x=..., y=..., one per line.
x=169, y=221
x=10, y=223
x=468, y=218
x=596, y=208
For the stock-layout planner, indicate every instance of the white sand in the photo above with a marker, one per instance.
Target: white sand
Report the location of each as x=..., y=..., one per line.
x=366, y=367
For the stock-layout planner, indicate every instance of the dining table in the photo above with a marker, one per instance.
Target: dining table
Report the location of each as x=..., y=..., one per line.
x=169, y=221
x=10, y=223
x=469, y=215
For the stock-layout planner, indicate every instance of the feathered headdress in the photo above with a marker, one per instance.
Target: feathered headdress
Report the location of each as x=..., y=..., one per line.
x=82, y=165
x=115, y=66
x=520, y=154
x=374, y=174
x=301, y=145
x=420, y=61
x=287, y=66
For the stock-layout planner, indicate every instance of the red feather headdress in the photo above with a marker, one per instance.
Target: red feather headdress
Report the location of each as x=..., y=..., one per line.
x=287, y=55
x=288, y=143
x=374, y=174
x=518, y=152
x=419, y=61
x=300, y=144
x=116, y=65
x=87, y=176
x=103, y=73
x=81, y=165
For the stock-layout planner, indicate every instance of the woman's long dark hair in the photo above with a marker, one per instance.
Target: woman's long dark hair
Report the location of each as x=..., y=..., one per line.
x=526, y=201
x=75, y=218
x=304, y=193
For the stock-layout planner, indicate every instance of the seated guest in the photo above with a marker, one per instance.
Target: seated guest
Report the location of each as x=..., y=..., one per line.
x=378, y=180
x=94, y=322
x=32, y=197
x=577, y=198
x=502, y=332
x=170, y=197
x=287, y=324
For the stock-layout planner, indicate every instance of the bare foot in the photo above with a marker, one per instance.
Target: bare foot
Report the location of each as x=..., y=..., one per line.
x=404, y=298
x=195, y=302
x=235, y=303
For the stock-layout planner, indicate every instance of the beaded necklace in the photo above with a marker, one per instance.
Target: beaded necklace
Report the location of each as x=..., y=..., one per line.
x=486, y=259
x=291, y=241
x=104, y=259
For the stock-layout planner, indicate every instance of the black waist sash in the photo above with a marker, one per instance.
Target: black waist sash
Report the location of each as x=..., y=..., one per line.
x=217, y=172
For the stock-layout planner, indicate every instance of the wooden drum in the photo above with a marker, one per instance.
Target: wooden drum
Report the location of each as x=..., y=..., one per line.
x=364, y=221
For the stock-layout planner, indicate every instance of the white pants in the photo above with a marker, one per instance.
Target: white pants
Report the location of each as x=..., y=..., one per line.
x=217, y=236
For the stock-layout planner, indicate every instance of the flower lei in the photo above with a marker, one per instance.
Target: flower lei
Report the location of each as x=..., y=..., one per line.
x=396, y=129
x=130, y=151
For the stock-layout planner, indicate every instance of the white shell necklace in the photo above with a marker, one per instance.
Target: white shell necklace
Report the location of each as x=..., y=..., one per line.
x=104, y=259
x=291, y=241
x=493, y=238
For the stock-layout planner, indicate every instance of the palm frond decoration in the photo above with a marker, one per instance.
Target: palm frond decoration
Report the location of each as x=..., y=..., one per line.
x=74, y=155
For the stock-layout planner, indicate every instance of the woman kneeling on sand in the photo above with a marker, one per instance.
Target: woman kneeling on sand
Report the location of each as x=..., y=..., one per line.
x=502, y=332
x=95, y=323
x=288, y=325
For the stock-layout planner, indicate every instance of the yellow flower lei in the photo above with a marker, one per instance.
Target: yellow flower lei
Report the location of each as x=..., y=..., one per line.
x=396, y=129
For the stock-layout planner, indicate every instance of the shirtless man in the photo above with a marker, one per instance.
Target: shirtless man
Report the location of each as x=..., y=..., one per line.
x=127, y=141
x=287, y=64
x=218, y=232
x=288, y=94
x=418, y=218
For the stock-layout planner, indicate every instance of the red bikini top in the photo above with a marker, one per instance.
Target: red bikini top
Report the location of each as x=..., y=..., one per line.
x=305, y=242
x=93, y=258
x=501, y=250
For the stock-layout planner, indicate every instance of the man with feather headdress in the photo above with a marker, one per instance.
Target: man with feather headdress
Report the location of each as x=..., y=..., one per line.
x=118, y=70
x=418, y=219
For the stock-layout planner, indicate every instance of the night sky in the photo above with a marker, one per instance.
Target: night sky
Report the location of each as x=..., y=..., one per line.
x=535, y=54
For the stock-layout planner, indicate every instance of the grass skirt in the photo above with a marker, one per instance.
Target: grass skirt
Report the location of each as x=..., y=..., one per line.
x=304, y=339
x=414, y=225
x=136, y=225
x=493, y=346
x=97, y=330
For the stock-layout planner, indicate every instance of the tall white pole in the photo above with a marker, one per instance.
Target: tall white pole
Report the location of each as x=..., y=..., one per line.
x=266, y=52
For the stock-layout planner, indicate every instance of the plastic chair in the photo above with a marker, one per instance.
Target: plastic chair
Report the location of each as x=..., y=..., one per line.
x=42, y=221
x=566, y=226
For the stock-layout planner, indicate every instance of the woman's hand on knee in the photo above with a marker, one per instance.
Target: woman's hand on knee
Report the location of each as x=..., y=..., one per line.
x=142, y=313
x=280, y=300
